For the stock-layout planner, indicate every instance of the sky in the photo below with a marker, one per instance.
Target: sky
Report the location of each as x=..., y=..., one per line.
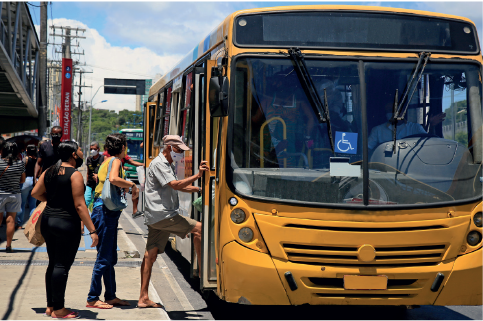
x=137, y=40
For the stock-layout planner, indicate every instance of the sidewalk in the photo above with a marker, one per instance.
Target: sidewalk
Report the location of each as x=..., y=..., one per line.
x=22, y=295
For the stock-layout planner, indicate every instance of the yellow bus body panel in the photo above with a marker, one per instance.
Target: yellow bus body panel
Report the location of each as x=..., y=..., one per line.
x=251, y=275
x=463, y=287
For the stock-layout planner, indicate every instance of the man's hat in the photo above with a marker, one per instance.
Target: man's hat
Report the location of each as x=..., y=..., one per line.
x=175, y=140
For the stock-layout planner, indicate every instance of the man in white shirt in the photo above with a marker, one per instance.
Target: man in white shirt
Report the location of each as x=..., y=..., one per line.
x=384, y=132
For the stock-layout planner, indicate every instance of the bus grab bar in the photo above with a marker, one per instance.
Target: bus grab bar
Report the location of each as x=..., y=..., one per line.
x=262, y=155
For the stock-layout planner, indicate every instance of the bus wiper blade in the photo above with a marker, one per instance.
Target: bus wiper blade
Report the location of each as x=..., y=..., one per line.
x=398, y=111
x=320, y=110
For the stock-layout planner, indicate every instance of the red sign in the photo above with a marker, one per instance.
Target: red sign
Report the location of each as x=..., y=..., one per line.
x=36, y=217
x=66, y=99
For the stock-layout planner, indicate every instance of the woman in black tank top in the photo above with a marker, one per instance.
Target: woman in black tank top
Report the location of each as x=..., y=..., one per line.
x=62, y=187
x=28, y=185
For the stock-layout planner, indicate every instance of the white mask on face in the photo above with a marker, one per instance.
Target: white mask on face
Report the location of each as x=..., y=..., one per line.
x=176, y=156
x=94, y=152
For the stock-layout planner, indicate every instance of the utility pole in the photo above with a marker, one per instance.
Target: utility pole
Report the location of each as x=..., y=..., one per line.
x=42, y=117
x=79, y=113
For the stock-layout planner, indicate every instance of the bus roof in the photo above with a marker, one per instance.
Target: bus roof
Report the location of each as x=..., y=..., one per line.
x=221, y=32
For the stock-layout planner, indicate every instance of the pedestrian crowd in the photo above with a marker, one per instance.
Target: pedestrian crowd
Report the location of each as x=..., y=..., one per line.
x=50, y=175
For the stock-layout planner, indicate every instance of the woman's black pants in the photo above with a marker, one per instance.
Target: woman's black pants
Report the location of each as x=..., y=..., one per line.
x=62, y=237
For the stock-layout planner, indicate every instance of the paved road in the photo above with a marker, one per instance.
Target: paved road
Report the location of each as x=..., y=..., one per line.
x=186, y=301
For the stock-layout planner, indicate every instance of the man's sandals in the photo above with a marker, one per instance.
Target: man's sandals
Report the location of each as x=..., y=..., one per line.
x=108, y=304
x=99, y=305
x=118, y=302
x=149, y=304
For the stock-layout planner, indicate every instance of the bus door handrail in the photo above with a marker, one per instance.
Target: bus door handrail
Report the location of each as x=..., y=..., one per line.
x=262, y=154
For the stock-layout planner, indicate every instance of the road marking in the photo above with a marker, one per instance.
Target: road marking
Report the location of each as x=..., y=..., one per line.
x=183, y=300
x=130, y=244
x=152, y=290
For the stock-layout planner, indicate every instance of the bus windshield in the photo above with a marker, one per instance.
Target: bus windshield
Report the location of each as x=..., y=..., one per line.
x=279, y=150
x=134, y=149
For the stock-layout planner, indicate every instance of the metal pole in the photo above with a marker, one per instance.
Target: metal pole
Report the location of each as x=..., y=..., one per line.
x=90, y=119
x=453, y=107
x=79, y=115
x=90, y=115
x=42, y=117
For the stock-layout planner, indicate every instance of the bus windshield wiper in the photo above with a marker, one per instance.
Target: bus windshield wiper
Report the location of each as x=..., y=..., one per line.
x=398, y=111
x=321, y=110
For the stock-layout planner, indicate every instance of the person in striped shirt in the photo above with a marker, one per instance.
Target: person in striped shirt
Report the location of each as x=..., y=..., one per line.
x=12, y=174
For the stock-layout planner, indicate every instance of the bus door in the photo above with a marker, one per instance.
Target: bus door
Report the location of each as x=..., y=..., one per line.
x=208, y=275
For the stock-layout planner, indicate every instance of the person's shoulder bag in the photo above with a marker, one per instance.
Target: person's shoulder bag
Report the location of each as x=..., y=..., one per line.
x=32, y=228
x=4, y=171
x=112, y=196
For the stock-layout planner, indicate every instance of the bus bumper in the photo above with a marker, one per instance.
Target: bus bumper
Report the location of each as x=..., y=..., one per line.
x=464, y=284
x=250, y=277
x=324, y=284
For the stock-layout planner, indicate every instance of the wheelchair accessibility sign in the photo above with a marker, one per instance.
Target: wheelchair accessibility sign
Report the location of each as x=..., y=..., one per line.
x=346, y=143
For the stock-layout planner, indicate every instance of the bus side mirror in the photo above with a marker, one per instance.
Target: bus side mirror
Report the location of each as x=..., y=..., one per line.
x=218, y=95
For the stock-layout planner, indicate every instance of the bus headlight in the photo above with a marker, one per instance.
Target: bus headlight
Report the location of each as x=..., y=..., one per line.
x=233, y=201
x=246, y=234
x=238, y=215
x=477, y=219
x=473, y=238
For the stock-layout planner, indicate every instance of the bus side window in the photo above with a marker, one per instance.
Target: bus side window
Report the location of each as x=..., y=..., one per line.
x=186, y=112
x=157, y=129
x=152, y=109
x=166, y=114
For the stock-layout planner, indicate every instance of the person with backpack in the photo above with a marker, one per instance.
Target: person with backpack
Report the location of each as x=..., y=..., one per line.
x=106, y=221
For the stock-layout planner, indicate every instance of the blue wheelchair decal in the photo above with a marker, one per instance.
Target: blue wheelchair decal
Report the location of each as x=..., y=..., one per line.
x=346, y=142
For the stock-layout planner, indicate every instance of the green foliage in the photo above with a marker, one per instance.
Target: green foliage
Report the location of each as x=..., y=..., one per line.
x=105, y=122
x=462, y=138
x=460, y=106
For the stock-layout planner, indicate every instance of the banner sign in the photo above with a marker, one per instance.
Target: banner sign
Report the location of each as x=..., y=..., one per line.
x=66, y=99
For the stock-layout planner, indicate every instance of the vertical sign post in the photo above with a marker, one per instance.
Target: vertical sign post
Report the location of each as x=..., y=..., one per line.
x=66, y=99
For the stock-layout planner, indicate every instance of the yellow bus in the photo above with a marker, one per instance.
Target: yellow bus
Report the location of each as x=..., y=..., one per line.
x=345, y=146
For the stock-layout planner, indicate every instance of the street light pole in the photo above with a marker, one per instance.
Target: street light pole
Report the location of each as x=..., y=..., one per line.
x=90, y=114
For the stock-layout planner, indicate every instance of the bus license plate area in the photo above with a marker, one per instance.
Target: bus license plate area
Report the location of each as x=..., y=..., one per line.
x=365, y=282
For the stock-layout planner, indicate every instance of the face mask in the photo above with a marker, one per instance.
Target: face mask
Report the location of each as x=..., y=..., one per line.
x=56, y=138
x=94, y=152
x=176, y=156
x=78, y=161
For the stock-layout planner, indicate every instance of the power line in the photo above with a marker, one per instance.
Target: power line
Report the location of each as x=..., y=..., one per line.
x=32, y=5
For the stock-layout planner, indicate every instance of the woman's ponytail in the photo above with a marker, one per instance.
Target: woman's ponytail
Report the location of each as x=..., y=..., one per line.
x=52, y=171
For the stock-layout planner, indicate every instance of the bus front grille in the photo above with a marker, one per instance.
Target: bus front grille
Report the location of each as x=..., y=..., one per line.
x=387, y=256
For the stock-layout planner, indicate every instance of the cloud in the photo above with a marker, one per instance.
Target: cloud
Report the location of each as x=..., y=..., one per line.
x=109, y=61
x=165, y=27
x=470, y=10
